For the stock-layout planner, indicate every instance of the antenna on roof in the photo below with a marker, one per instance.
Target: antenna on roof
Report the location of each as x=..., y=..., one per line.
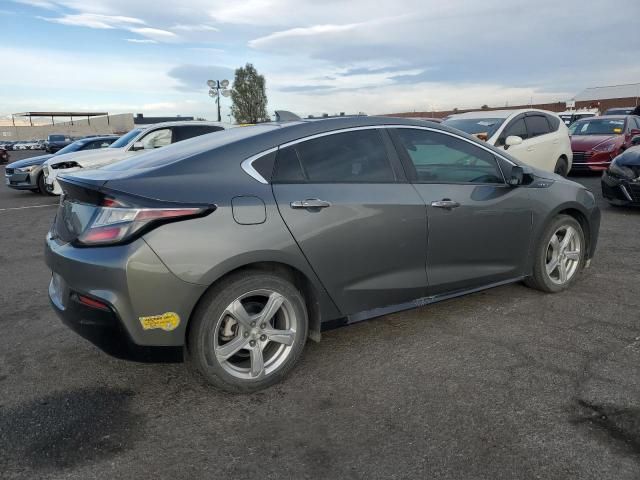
x=286, y=116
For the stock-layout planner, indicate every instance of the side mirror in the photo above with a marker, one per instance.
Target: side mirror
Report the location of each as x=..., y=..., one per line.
x=635, y=140
x=137, y=146
x=517, y=174
x=511, y=141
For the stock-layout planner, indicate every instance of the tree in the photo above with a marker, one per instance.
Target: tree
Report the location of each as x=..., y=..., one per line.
x=249, y=96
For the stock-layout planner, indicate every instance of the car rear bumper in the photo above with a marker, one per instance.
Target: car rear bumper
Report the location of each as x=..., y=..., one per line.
x=620, y=191
x=134, y=285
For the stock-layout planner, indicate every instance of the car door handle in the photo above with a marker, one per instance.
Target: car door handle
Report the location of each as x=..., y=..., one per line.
x=445, y=203
x=310, y=203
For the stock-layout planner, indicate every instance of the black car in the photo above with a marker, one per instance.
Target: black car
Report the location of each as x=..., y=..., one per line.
x=53, y=143
x=4, y=156
x=621, y=181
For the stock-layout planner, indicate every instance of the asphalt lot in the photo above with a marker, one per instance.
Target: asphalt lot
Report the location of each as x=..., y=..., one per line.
x=507, y=383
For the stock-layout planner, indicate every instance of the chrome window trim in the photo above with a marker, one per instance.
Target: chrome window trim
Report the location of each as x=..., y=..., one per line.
x=247, y=164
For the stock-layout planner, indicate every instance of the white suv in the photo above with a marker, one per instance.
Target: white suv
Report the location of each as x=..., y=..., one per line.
x=536, y=137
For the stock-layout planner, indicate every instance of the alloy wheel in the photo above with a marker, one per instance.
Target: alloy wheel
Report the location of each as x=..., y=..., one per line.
x=563, y=255
x=254, y=336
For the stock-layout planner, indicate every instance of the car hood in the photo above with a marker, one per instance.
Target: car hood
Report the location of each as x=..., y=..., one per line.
x=582, y=143
x=27, y=162
x=91, y=158
x=630, y=158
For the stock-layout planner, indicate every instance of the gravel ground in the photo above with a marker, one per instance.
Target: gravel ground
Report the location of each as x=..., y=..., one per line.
x=507, y=383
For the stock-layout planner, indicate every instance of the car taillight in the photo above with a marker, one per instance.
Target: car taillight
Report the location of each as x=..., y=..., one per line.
x=110, y=225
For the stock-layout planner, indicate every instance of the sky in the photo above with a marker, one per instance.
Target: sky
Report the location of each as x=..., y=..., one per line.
x=155, y=56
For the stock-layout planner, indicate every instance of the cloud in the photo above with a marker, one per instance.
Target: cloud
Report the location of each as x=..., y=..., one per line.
x=155, y=33
x=193, y=78
x=93, y=20
x=38, y=3
x=140, y=40
x=195, y=28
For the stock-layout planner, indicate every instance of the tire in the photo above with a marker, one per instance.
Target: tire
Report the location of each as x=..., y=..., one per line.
x=546, y=254
x=562, y=167
x=42, y=187
x=246, y=338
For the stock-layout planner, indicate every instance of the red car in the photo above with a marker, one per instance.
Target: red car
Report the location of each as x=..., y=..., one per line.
x=4, y=156
x=595, y=141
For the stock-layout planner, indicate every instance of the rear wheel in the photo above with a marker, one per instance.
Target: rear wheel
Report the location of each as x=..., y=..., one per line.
x=248, y=332
x=559, y=256
x=562, y=167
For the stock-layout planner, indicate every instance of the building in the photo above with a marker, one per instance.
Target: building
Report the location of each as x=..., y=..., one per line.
x=613, y=96
x=79, y=125
x=602, y=98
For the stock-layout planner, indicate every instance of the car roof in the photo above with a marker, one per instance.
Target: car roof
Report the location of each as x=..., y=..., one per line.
x=179, y=123
x=607, y=117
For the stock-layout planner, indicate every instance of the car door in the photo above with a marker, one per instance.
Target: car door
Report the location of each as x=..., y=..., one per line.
x=479, y=227
x=517, y=127
x=361, y=226
x=541, y=144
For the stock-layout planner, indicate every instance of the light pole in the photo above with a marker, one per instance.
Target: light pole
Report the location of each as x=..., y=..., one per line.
x=216, y=87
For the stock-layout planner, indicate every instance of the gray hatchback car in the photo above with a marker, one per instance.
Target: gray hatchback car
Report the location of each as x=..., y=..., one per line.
x=238, y=246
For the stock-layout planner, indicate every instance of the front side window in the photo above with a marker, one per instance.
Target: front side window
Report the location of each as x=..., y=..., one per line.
x=515, y=128
x=157, y=139
x=537, y=125
x=441, y=158
x=348, y=157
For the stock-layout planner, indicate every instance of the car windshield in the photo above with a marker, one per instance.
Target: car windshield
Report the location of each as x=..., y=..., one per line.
x=124, y=140
x=475, y=126
x=72, y=147
x=597, y=126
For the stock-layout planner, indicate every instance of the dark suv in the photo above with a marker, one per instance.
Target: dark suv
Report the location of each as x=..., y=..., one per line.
x=53, y=143
x=241, y=244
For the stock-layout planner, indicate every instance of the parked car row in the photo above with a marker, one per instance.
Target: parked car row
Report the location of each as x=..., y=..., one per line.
x=27, y=174
x=39, y=174
x=22, y=145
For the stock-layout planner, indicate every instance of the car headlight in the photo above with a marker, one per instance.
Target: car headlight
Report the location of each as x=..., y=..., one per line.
x=605, y=147
x=26, y=169
x=61, y=165
x=621, y=171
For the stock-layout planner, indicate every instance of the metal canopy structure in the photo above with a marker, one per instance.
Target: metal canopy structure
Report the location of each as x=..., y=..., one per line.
x=54, y=115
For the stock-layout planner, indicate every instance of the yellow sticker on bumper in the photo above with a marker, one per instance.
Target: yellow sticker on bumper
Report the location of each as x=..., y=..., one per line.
x=167, y=321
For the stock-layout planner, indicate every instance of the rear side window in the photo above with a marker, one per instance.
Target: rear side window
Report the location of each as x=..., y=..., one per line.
x=187, y=131
x=349, y=157
x=288, y=168
x=554, y=122
x=537, y=125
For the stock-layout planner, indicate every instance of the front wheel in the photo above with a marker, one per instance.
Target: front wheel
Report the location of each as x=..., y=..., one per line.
x=559, y=256
x=248, y=332
x=562, y=167
x=42, y=186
